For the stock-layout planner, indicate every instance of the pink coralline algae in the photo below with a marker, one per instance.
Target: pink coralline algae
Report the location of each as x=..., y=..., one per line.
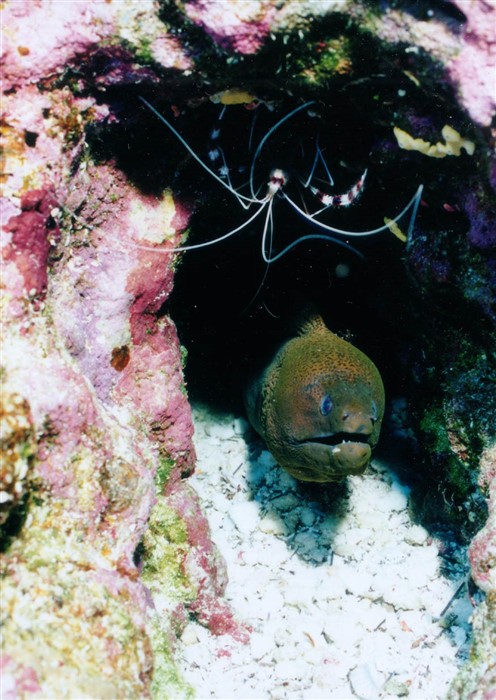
x=88, y=26
x=483, y=557
x=154, y=375
x=205, y=568
x=482, y=552
x=79, y=285
x=33, y=232
x=25, y=59
x=26, y=679
x=474, y=68
x=242, y=26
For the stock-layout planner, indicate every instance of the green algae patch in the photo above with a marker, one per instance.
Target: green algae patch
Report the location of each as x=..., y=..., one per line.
x=164, y=549
x=18, y=446
x=166, y=681
x=324, y=59
x=454, y=406
x=55, y=599
x=53, y=630
x=164, y=469
x=434, y=431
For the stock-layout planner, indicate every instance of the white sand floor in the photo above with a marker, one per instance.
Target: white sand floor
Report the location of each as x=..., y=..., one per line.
x=343, y=592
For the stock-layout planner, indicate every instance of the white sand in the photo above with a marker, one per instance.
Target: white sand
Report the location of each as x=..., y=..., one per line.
x=343, y=594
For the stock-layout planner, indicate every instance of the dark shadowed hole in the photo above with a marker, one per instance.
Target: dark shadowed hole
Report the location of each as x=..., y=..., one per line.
x=232, y=310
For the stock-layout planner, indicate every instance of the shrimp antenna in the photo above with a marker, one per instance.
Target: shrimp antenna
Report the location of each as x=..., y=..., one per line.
x=318, y=155
x=186, y=145
x=413, y=203
x=268, y=233
x=268, y=225
x=267, y=136
x=196, y=246
x=308, y=237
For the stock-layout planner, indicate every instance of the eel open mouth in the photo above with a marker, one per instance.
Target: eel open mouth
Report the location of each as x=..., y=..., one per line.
x=346, y=454
x=338, y=438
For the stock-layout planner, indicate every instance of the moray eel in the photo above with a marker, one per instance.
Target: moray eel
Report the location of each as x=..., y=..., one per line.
x=318, y=405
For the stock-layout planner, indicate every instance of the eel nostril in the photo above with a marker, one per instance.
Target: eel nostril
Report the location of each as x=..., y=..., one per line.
x=358, y=421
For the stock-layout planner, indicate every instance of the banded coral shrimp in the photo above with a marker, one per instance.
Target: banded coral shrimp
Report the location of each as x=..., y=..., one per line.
x=242, y=168
x=276, y=182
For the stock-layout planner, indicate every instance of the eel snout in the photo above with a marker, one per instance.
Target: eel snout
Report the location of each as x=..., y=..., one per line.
x=351, y=456
x=348, y=452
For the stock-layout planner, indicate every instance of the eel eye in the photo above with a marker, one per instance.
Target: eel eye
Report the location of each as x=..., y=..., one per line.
x=326, y=405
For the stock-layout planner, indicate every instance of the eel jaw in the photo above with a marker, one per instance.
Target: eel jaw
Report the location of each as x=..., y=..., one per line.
x=344, y=454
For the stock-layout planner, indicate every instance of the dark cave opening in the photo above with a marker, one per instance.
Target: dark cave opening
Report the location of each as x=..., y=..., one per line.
x=232, y=308
x=395, y=301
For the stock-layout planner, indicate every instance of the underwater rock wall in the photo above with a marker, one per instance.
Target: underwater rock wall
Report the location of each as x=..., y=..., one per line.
x=92, y=379
x=96, y=424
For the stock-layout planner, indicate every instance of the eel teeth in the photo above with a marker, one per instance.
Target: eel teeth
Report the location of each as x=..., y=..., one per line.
x=338, y=438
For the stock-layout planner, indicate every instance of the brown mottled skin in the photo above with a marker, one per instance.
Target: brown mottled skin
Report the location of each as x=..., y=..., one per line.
x=319, y=405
